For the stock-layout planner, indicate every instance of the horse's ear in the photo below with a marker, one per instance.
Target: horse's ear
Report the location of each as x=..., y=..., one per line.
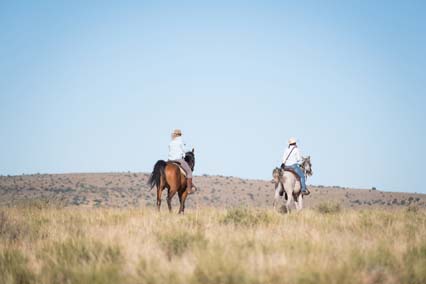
x=193, y=150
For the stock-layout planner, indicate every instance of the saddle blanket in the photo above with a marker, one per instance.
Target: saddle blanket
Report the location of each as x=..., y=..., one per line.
x=182, y=171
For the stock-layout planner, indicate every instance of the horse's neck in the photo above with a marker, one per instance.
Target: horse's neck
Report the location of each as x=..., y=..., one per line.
x=303, y=168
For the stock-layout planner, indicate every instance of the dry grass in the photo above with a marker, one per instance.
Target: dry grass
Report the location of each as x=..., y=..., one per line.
x=51, y=245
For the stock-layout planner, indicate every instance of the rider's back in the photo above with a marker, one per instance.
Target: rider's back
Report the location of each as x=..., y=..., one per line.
x=292, y=156
x=176, y=149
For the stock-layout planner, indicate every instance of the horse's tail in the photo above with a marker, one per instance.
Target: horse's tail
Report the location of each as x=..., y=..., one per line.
x=157, y=174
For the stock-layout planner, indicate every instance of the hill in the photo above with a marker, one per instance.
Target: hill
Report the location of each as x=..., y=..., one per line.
x=130, y=190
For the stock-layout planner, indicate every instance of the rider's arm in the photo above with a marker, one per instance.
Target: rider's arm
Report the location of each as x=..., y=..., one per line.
x=285, y=155
x=298, y=156
x=183, y=149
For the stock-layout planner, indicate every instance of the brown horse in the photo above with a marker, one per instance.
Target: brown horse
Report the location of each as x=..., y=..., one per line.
x=168, y=175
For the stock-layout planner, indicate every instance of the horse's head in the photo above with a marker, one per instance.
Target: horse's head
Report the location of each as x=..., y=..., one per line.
x=190, y=159
x=277, y=174
x=307, y=165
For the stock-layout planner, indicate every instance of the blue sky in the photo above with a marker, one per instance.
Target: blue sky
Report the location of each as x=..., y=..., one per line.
x=95, y=86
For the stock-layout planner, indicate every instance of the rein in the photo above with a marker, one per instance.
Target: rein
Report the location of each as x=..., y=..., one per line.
x=288, y=156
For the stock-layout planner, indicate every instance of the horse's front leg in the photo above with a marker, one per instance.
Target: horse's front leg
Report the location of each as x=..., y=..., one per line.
x=300, y=202
x=289, y=200
x=276, y=196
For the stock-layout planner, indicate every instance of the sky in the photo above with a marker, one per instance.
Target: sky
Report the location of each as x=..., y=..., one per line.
x=98, y=86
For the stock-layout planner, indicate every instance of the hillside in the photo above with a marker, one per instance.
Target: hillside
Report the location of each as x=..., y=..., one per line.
x=131, y=190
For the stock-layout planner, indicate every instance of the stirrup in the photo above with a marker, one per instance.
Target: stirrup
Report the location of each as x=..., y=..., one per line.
x=192, y=190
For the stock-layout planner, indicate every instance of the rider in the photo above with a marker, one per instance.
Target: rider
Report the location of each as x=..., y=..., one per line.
x=293, y=159
x=177, y=153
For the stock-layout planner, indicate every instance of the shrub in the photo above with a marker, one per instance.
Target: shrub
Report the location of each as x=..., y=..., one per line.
x=219, y=267
x=36, y=204
x=176, y=241
x=246, y=217
x=412, y=209
x=150, y=271
x=14, y=267
x=415, y=265
x=8, y=230
x=11, y=229
x=80, y=251
x=81, y=261
x=329, y=207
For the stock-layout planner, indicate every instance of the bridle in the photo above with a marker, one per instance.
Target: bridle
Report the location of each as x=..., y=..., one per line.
x=280, y=175
x=305, y=172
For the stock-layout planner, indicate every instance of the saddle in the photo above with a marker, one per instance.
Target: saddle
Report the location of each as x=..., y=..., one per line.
x=182, y=171
x=287, y=169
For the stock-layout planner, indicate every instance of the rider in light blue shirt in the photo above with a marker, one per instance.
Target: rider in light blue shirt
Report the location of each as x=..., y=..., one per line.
x=177, y=152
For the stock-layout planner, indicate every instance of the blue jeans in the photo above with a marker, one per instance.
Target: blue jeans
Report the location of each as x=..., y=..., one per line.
x=300, y=173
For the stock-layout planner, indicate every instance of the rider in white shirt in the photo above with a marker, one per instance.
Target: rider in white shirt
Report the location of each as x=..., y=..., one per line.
x=293, y=159
x=177, y=151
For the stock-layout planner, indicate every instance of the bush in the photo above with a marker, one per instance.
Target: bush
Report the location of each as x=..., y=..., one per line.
x=246, y=217
x=412, y=209
x=219, y=267
x=176, y=242
x=151, y=271
x=329, y=207
x=10, y=229
x=14, y=268
x=41, y=203
x=81, y=261
x=415, y=265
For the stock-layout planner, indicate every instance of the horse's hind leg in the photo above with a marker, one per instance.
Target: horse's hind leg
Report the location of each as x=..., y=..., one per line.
x=182, y=200
x=296, y=203
x=159, y=192
x=171, y=193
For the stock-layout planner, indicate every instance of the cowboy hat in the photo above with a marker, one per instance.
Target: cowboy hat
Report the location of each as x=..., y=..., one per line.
x=292, y=140
x=177, y=132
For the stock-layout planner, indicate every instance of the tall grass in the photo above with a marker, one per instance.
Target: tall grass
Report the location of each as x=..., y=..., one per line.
x=323, y=245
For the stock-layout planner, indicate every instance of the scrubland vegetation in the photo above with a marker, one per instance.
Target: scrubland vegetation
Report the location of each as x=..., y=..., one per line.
x=328, y=244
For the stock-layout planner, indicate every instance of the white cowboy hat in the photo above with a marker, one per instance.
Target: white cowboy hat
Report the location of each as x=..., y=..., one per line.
x=177, y=132
x=292, y=140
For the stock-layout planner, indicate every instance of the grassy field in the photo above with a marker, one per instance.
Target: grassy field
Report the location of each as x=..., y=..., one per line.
x=41, y=244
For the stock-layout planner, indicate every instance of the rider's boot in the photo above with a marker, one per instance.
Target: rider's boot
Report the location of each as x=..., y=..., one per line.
x=190, y=188
x=306, y=191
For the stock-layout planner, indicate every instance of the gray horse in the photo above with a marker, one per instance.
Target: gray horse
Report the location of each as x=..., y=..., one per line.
x=288, y=185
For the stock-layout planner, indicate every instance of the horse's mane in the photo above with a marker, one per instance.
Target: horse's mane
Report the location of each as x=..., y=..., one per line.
x=189, y=156
x=307, y=161
x=190, y=159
